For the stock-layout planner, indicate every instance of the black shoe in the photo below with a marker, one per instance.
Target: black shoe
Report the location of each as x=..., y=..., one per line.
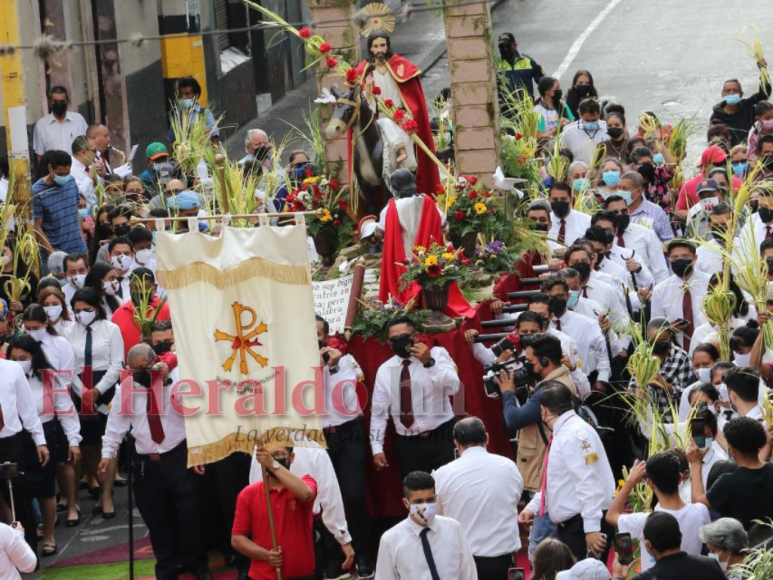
x=108, y=515
x=364, y=569
x=333, y=573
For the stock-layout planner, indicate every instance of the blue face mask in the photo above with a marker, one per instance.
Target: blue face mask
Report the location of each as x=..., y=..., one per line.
x=186, y=103
x=732, y=99
x=709, y=442
x=740, y=168
x=626, y=195
x=590, y=125
x=580, y=184
x=611, y=178
x=83, y=212
x=658, y=159
x=574, y=298
x=61, y=179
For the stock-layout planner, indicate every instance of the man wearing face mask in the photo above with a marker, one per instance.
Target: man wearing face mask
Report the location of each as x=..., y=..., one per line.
x=629, y=272
x=75, y=268
x=709, y=196
x=765, y=156
x=760, y=224
x=579, y=485
x=424, y=546
x=188, y=97
x=727, y=543
x=679, y=298
x=142, y=289
x=515, y=71
x=155, y=153
x=744, y=387
x=735, y=112
x=579, y=137
x=566, y=224
x=258, y=149
x=55, y=207
x=121, y=256
x=58, y=129
x=84, y=168
x=167, y=492
x=642, y=211
x=710, y=256
x=415, y=387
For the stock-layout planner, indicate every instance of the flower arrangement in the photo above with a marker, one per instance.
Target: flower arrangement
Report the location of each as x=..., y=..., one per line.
x=327, y=197
x=469, y=208
x=518, y=158
x=495, y=257
x=372, y=318
x=435, y=266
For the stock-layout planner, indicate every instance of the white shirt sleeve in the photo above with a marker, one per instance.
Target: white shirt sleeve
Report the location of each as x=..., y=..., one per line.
x=329, y=496
x=380, y=410
x=443, y=373
x=589, y=486
x=117, y=426
x=113, y=374
x=27, y=409
x=599, y=346
x=37, y=138
x=18, y=551
x=658, y=302
x=68, y=417
x=483, y=354
x=467, y=567
x=657, y=263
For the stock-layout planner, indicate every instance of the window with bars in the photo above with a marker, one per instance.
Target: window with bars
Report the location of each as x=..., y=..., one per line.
x=221, y=23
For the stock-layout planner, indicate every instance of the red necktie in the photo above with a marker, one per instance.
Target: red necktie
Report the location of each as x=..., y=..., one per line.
x=620, y=240
x=562, y=232
x=585, y=292
x=154, y=420
x=687, y=315
x=406, y=401
x=768, y=232
x=558, y=325
x=2, y=419
x=544, y=487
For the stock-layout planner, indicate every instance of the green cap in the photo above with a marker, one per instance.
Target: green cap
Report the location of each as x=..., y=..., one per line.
x=155, y=150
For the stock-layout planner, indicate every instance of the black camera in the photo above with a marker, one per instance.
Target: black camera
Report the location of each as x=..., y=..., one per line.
x=326, y=357
x=502, y=346
x=521, y=377
x=9, y=470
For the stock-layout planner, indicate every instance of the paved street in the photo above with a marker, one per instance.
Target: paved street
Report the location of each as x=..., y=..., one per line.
x=670, y=57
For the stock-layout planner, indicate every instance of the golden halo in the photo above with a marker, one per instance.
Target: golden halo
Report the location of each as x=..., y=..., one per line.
x=379, y=17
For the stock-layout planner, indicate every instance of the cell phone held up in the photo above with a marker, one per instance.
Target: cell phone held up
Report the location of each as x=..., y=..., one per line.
x=624, y=548
x=698, y=432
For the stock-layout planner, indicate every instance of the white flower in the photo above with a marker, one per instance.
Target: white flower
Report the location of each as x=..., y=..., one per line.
x=327, y=97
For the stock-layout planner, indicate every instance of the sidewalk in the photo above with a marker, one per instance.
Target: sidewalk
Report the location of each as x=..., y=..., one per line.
x=421, y=39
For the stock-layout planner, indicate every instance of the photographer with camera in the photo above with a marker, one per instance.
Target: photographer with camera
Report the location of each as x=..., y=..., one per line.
x=542, y=361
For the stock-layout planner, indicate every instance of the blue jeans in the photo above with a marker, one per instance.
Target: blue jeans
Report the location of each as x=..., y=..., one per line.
x=541, y=528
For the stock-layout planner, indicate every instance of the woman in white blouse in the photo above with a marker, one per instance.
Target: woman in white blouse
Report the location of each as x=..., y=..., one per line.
x=57, y=311
x=106, y=361
x=102, y=279
x=60, y=427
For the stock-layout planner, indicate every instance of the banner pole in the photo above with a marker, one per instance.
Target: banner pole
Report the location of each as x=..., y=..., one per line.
x=270, y=516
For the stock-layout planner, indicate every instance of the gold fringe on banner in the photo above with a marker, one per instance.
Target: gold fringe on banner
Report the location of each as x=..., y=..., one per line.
x=245, y=442
x=221, y=279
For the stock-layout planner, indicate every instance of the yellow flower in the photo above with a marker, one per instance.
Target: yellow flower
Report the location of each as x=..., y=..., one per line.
x=421, y=250
x=448, y=256
x=451, y=200
x=310, y=180
x=326, y=217
x=480, y=208
x=430, y=261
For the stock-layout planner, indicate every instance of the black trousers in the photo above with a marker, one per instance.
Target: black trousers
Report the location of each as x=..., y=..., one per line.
x=346, y=448
x=493, y=568
x=572, y=533
x=11, y=450
x=427, y=451
x=168, y=497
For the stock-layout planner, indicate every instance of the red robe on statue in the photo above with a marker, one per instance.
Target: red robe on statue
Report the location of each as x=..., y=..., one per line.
x=406, y=75
x=393, y=256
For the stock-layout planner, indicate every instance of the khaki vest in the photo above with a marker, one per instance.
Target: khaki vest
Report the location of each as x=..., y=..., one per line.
x=531, y=445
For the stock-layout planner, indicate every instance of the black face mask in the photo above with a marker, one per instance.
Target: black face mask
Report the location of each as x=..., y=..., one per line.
x=261, y=153
x=615, y=132
x=122, y=230
x=557, y=96
x=583, y=268
x=622, y=222
x=528, y=366
x=105, y=230
x=647, y=171
x=162, y=347
x=540, y=227
x=506, y=51
x=770, y=265
x=321, y=344
x=600, y=258
x=661, y=347
x=143, y=378
x=681, y=266
x=401, y=345
x=718, y=232
x=284, y=462
x=583, y=90
x=136, y=298
x=560, y=208
x=59, y=109
x=557, y=305
x=766, y=214
x=754, y=204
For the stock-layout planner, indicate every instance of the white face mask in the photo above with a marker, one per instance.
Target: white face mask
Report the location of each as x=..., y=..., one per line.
x=122, y=262
x=110, y=287
x=424, y=512
x=145, y=257
x=708, y=202
x=26, y=365
x=742, y=360
x=6, y=259
x=77, y=281
x=38, y=334
x=717, y=557
x=53, y=312
x=704, y=375
x=85, y=317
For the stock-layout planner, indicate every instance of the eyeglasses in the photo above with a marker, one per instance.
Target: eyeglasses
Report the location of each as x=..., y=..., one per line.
x=280, y=455
x=174, y=191
x=623, y=211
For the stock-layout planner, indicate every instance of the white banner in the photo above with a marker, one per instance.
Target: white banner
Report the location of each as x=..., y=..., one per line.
x=331, y=300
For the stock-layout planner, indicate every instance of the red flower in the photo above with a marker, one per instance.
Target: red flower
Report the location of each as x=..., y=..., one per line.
x=308, y=171
x=333, y=184
x=399, y=116
x=439, y=189
x=472, y=179
x=325, y=47
x=351, y=75
x=410, y=126
x=485, y=193
x=466, y=262
x=336, y=223
x=491, y=210
x=388, y=103
x=376, y=90
x=304, y=33
x=472, y=195
x=342, y=204
x=434, y=271
x=331, y=62
x=459, y=216
x=450, y=249
x=519, y=135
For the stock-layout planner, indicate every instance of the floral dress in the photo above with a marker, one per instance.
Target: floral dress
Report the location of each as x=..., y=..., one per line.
x=659, y=192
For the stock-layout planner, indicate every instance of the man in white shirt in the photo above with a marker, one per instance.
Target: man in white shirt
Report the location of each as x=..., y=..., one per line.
x=58, y=129
x=5, y=174
x=121, y=254
x=679, y=298
x=481, y=491
x=630, y=236
x=760, y=224
x=415, y=387
x=345, y=434
x=76, y=268
x=538, y=215
x=83, y=159
x=167, y=492
x=663, y=477
x=583, y=137
x=424, y=546
x=579, y=485
x=566, y=224
x=711, y=255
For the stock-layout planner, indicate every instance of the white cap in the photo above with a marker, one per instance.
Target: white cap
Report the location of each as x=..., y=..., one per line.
x=589, y=569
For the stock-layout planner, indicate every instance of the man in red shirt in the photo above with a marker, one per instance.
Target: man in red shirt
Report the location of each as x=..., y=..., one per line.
x=712, y=157
x=142, y=282
x=292, y=503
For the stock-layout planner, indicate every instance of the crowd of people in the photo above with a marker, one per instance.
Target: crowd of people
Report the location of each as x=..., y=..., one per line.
x=682, y=492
